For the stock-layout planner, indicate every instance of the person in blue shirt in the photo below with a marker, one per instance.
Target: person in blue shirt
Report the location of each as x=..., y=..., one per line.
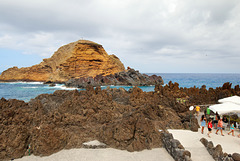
x=203, y=122
x=231, y=129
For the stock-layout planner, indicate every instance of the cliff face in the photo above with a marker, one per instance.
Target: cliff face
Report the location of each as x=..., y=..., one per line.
x=78, y=59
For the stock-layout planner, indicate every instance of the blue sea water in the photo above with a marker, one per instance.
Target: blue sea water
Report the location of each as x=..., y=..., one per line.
x=198, y=79
x=26, y=91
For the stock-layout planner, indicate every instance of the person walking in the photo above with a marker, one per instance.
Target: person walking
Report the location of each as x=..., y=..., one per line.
x=209, y=127
x=203, y=122
x=225, y=121
x=219, y=126
x=208, y=113
x=197, y=110
x=216, y=119
x=231, y=129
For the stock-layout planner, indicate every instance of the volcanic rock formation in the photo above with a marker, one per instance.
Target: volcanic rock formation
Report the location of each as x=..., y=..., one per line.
x=78, y=59
x=129, y=77
x=66, y=119
x=121, y=119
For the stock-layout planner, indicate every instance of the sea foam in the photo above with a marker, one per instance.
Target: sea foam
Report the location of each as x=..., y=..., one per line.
x=20, y=82
x=62, y=87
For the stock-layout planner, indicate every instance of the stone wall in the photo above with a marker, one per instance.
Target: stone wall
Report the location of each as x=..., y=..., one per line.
x=217, y=153
x=175, y=148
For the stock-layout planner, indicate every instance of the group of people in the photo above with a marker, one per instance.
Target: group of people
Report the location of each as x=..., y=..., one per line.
x=217, y=123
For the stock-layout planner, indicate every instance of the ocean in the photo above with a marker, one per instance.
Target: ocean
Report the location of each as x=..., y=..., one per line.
x=28, y=90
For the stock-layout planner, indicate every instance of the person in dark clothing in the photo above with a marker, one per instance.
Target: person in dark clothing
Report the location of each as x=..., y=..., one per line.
x=215, y=121
x=225, y=120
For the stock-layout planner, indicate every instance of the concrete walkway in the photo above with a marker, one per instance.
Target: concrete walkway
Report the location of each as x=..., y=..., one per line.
x=191, y=142
x=229, y=143
x=108, y=154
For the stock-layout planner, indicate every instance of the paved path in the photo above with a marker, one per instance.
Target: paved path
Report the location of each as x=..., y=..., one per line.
x=191, y=142
x=229, y=143
x=108, y=154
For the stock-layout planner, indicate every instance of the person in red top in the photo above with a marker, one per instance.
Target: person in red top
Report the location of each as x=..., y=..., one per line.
x=209, y=127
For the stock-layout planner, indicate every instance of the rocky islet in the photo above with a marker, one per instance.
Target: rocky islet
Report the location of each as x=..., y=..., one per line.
x=82, y=58
x=79, y=64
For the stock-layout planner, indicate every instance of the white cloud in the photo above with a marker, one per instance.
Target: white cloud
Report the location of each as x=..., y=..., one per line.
x=138, y=32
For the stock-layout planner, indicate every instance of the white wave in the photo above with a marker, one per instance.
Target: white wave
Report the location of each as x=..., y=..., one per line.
x=61, y=86
x=20, y=82
x=29, y=87
x=108, y=86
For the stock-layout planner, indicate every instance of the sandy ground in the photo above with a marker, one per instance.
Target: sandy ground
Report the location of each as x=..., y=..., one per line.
x=109, y=154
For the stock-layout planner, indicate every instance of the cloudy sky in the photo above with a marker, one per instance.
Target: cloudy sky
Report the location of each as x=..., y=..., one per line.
x=161, y=36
